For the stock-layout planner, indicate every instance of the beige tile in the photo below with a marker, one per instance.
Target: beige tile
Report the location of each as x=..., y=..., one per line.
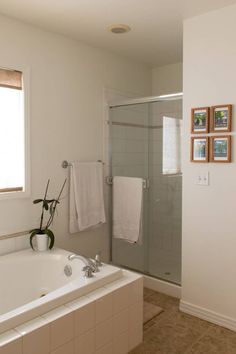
x=67, y=348
x=103, y=334
x=62, y=330
x=85, y=344
x=121, y=344
x=31, y=326
x=8, y=337
x=104, y=308
x=147, y=292
x=14, y=347
x=135, y=336
x=37, y=341
x=84, y=318
x=120, y=322
x=136, y=291
x=135, y=315
x=121, y=298
x=107, y=349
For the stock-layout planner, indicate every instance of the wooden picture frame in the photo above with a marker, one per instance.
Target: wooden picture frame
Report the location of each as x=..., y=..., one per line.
x=221, y=118
x=220, y=149
x=200, y=149
x=200, y=118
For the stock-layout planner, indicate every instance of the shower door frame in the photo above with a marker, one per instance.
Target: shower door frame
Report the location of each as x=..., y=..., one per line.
x=129, y=102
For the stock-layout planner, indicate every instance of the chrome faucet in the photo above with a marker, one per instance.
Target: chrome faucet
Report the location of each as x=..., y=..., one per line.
x=90, y=266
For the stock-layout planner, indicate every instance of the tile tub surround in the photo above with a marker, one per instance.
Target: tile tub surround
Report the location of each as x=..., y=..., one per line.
x=105, y=321
x=32, y=274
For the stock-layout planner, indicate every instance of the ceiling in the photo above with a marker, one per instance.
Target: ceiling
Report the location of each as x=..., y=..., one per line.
x=156, y=35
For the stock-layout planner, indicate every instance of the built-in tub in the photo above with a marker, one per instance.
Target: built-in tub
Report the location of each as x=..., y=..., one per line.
x=33, y=283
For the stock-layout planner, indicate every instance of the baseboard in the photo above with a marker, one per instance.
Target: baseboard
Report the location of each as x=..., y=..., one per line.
x=208, y=315
x=162, y=286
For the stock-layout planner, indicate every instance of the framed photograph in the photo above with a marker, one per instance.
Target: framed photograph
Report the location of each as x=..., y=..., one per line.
x=199, y=149
x=200, y=120
x=220, y=149
x=221, y=117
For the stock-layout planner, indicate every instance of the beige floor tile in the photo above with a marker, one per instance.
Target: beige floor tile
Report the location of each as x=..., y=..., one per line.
x=174, y=332
x=147, y=292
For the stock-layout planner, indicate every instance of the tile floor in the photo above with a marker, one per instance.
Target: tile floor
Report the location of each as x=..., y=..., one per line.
x=173, y=332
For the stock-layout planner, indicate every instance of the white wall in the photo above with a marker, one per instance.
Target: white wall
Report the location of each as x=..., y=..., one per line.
x=167, y=79
x=66, y=112
x=209, y=213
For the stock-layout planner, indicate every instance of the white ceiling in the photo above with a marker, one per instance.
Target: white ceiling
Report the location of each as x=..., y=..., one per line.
x=156, y=35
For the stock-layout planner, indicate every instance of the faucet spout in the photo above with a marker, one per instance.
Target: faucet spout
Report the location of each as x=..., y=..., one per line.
x=87, y=261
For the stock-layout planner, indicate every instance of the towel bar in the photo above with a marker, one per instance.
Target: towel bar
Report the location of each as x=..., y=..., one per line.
x=66, y=164
x=146, y=183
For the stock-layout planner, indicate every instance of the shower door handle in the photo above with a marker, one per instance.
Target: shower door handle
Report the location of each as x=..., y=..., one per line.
x=146, y=183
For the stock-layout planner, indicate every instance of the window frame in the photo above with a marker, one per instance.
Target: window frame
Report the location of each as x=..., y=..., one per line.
x=25, y=193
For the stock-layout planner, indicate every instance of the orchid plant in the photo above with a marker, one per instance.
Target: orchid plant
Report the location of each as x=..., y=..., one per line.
x=49, y=207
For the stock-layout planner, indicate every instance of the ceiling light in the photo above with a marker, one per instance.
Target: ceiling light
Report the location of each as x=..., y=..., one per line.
x=118, y=28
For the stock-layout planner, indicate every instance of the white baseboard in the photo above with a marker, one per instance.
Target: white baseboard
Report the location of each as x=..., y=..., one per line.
x=208, y=315
x=162, y=286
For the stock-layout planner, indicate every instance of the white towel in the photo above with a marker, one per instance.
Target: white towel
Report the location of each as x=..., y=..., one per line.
x=127, y=208
x=86, y=196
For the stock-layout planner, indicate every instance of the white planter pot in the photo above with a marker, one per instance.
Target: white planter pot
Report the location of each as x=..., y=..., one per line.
x=42, y=242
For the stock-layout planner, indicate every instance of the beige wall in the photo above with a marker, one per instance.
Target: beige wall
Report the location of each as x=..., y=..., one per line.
x=209, y=213
x=66, y=110
x=167, y=79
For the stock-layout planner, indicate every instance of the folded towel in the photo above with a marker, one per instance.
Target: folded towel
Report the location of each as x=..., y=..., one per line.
x=86, y=196
x=127, y=208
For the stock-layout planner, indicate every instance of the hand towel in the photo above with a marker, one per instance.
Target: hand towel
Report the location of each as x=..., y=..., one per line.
x=86, y=196
x=127, y=208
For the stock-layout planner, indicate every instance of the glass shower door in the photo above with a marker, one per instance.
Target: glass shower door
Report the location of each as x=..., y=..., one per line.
x=145, y=141
x=129, y=157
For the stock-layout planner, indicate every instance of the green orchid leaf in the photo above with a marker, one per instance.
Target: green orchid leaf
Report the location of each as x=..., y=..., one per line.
x=33, y=233
x=36, y=201
x=51, y=236
x=45, y=205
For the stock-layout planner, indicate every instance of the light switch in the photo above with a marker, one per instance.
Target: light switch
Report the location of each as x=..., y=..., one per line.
x=202, y=179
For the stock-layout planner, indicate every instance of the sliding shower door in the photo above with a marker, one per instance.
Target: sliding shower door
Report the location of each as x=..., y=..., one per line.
x=129, y=143
x=145, y=141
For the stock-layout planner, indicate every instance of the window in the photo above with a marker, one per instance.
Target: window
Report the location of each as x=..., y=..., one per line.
x=12, y=132
x=172, y=130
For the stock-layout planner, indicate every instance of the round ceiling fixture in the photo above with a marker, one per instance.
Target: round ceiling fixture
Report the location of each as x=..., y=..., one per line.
x=118, y=28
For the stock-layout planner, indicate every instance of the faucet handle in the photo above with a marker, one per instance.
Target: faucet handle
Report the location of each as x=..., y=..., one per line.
x=97, y=259
x=88, y=271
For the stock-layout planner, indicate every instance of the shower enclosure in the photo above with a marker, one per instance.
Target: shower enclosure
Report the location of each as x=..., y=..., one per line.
x=145, y=141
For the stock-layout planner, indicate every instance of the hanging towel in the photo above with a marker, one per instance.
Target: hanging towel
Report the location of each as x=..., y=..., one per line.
x=86, y=196
x=127, y=208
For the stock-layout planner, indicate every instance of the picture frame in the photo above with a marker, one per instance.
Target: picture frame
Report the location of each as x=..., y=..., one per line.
x=220, y=149
x=200, y=149
x=221, y=118
x=200, y=118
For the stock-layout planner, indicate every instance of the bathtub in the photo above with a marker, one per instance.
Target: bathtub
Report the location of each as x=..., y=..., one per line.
x=33, y=283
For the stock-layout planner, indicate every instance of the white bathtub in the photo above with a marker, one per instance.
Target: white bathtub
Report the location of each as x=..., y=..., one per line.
x=27, y=275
